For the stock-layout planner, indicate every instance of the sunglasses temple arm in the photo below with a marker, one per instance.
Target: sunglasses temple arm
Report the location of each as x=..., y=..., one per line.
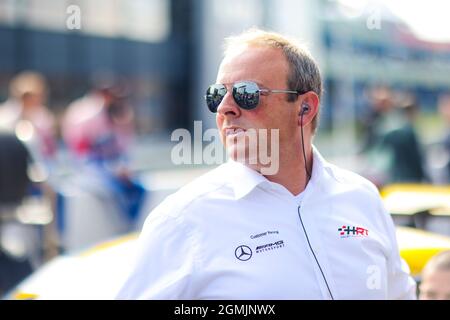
x=282, y=91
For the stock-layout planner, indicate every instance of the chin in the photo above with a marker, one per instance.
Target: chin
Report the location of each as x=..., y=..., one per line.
x=242, y=155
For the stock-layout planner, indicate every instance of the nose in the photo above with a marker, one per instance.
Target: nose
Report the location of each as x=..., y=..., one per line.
x=228, y=106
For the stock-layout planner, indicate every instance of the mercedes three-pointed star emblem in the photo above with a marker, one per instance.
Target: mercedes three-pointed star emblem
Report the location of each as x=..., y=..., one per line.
x=243, y=253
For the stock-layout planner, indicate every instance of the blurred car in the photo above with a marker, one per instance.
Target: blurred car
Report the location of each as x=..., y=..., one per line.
x=411, y=199
x=418, y=246
x=97, y=272
x=94, y=273
x=423, y=206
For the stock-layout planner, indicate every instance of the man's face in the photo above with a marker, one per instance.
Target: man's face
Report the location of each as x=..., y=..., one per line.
x=269, y=69
x=435, y=285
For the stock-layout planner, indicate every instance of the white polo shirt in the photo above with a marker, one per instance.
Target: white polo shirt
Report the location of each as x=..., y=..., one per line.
x=233, y=234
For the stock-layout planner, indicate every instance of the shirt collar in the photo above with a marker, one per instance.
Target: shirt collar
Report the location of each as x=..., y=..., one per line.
x=319, y=163
x=244, y=179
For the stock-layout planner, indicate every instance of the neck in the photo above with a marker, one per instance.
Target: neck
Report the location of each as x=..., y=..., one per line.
x=291, y=173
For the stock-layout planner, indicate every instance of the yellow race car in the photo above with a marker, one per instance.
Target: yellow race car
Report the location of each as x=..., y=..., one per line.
x=424, y=207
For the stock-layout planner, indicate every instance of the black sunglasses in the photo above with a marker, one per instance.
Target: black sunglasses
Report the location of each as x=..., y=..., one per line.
x=245, y=93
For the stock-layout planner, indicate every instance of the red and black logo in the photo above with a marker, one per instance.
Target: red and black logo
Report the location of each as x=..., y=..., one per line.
x=352, y=231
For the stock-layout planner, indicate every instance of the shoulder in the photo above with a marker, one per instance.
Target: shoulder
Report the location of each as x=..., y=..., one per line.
x=351, y=181
x=361, y=199
x=192, y=195
x=359, y=196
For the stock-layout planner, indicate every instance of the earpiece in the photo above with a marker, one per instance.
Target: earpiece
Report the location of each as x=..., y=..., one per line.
x=305, y=109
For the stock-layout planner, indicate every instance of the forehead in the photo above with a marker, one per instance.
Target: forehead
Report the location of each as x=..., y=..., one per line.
x=263, y=65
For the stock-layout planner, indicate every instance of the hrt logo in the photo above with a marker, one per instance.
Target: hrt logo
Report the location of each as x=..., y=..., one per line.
x=352, y=231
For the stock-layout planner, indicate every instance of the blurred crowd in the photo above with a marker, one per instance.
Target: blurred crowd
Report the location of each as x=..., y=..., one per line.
x=95, y=131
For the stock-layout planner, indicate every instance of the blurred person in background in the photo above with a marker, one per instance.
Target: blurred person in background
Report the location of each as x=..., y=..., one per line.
x=406, y=157
x=98, y=129
x=100, y=125
x=16, y=240
x=371, y=129
x=390, y=140
x=374, y=120
x=444, y=110
x=435, y=283
x=26, y=114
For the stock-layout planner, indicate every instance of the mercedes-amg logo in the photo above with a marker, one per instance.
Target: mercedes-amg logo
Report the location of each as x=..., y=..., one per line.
x=243, y=253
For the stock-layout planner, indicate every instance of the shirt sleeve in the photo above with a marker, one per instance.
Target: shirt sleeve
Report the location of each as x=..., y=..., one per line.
x=165, y=260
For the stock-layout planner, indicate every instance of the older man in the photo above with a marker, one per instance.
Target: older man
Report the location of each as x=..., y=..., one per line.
x=307, y=230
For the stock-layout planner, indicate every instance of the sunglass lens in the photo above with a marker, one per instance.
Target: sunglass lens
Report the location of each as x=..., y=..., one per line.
x=214, y=96
x=246, y=94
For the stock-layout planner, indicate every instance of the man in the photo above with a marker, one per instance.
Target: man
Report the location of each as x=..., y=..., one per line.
x=92, y=129
x=98, y=129
x=401, y=142
x=436, y=278
x=307, y=231
x=25, y=114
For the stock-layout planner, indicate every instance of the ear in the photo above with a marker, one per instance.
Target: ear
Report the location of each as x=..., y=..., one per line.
x=311, y=99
